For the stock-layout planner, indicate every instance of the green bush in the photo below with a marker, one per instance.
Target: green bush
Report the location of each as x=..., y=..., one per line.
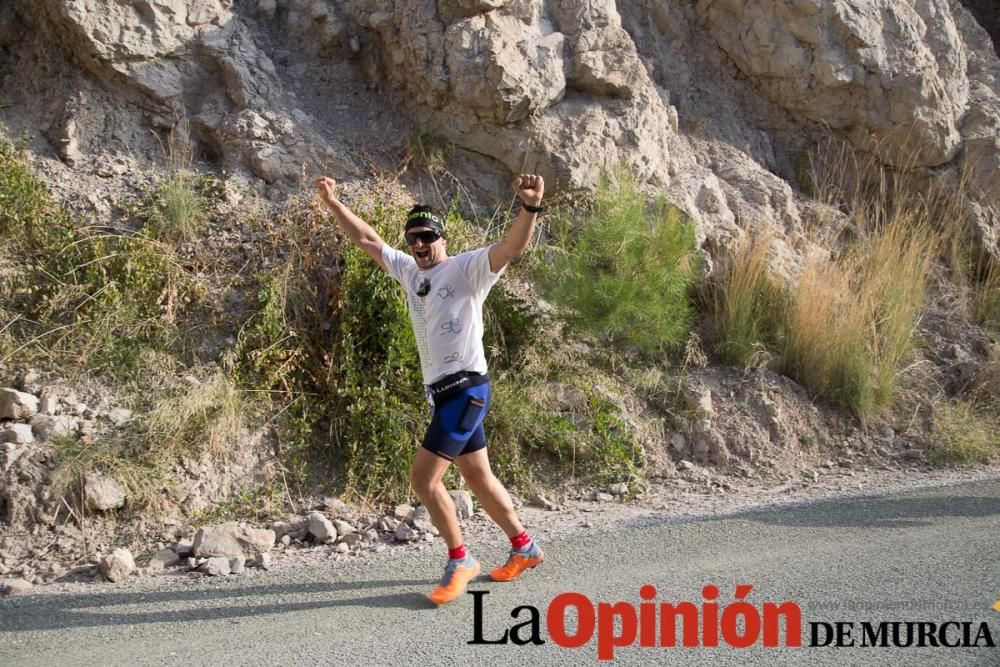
x=177, y=208
x=283, y=350
x=530, y=438
x=512, y=328
x=82, y=297
x=36, y=235
x=382, y=411
x=624, y=270
x=332, y=341
x=325, y=349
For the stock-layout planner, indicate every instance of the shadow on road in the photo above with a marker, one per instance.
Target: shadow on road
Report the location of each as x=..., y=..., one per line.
x=855, y=512
x=75, y=611
x=877, y=512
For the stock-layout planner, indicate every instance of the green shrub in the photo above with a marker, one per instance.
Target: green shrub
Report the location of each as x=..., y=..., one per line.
x=381, y=406
x=512, y=328
x=283, y=349
x=36, y=235
x=624, y=270
x=615, y=452
x=331, y=340
x=522, y=432
x=529, y=437
x=177, y=208
x=325, y=350
x=966, y=428
x=86, y=298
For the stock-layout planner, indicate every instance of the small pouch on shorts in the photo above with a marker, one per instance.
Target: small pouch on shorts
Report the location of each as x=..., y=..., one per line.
x=470, y=417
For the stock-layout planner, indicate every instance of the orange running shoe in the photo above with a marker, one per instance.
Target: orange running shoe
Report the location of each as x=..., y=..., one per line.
x=457, y=575
x=517, y=563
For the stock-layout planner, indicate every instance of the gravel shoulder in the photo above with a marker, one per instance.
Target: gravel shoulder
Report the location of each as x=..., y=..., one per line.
x=676, y=500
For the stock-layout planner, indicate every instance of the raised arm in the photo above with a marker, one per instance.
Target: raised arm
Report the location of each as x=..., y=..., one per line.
x=529, y=188
x=359, y=231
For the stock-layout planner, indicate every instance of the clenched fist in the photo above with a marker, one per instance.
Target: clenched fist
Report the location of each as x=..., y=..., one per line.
x=326, y=187
x=529, y=188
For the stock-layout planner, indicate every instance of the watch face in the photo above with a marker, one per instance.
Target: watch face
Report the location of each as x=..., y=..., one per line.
x=424, y=288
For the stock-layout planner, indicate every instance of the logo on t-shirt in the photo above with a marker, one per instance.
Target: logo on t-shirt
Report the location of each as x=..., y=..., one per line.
x=452, y=326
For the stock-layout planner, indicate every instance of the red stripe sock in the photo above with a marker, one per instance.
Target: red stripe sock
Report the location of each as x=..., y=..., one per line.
x=458, y=553
x=520, y=540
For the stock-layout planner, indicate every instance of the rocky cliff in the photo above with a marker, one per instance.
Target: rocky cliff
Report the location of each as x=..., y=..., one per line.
x=711, y=101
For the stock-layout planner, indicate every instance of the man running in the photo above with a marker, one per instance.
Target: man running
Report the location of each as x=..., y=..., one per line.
x=445, y=297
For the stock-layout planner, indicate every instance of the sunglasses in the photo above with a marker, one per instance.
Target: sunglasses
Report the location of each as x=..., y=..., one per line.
x=428, y=237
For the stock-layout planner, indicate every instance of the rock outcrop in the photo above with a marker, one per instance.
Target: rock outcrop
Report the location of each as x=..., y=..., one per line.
x=710, y=101
x=557, y=85
x=892, y=75
x=178, y=58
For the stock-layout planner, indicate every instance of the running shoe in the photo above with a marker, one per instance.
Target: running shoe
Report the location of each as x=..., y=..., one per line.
x=457, y=575
x=518, y=562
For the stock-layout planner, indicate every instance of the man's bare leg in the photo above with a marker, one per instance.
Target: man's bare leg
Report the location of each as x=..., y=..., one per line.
x=525, y=554
x=425, y=478
x=492, y=495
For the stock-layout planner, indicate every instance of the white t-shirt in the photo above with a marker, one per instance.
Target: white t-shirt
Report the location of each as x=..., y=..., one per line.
x=448, y=320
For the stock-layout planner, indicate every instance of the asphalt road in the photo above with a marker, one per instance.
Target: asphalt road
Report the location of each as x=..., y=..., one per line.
x=929, y=555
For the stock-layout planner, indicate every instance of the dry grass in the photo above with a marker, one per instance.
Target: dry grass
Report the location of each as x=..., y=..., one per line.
x=742, y=300
x=175, y=209
x=964, y=428
x=965, y=432
x=894, y=276
x=844, y=327
x=206, y=419
x=850, y=319
x=77, y=296
x=825, y=336
x=848, y=322
x=986, y=294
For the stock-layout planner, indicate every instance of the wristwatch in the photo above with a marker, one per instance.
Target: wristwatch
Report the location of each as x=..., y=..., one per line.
x=532, y=209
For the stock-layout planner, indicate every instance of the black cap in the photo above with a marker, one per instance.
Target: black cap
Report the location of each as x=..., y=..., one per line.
x=424, y=216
